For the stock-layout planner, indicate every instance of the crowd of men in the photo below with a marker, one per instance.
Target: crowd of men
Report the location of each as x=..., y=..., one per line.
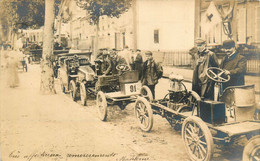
x=150, y=71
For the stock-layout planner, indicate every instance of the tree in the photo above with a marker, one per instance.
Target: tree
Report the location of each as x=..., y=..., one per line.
x=20, y=15
x=47, y=76
x=98, y=8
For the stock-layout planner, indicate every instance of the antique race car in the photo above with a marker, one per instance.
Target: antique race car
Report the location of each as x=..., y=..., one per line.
x=69, y=66
x=116, y=89
x=205, y=122
x=120, y=89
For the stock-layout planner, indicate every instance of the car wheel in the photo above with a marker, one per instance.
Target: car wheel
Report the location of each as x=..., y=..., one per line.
x=83, y=94
x=101, y=106
x=252, y=149
x=144, y=114
x=146, y=93
x=72, y=89
x=197, y=139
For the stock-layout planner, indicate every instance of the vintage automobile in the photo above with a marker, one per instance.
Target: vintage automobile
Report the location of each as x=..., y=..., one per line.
x=68, y=73
x=120, y=89
x=205, y=122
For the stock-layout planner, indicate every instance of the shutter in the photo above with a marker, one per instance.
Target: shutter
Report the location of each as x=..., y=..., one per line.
x=241, y=26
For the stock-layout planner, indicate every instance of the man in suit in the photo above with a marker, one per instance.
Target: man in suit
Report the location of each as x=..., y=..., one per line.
x=204, y=59
x=152, y=71
x=234, y=64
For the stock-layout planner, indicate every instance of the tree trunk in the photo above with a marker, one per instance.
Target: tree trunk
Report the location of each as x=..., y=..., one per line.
x=47, y=76
x=95, y=51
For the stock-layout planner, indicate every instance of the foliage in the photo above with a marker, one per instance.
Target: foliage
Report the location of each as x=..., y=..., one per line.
x=98, y=8
x=22, y=14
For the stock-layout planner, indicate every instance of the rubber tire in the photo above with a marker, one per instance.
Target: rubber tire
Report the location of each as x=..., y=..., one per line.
x=252, y=146
x=148, y=111
x=72, y=89
x=101, y=114
x=83, y=94
x=149, y=95
x=62, y=86
x=207, y=134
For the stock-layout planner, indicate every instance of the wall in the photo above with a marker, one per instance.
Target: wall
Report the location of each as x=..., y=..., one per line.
x=173, y=18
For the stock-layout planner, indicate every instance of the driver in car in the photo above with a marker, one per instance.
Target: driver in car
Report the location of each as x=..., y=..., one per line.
x=201, y=84
x=234, y=64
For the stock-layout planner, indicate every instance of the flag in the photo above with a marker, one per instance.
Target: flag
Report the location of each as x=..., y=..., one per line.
x=210, y=18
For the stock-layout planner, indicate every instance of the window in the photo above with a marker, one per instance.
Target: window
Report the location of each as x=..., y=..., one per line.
x=156, y=36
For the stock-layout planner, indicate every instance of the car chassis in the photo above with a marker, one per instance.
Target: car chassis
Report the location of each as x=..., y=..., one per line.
x=204, y=122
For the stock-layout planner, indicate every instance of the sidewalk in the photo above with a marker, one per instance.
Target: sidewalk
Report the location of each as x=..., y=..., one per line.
x=188, y=73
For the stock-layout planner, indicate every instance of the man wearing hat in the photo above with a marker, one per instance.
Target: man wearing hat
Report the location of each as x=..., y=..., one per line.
x=152, y=71
x=234, y=64
x=204, y=59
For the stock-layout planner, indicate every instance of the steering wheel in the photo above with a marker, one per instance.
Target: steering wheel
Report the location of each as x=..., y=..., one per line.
x=122, y=67
x=217, y=75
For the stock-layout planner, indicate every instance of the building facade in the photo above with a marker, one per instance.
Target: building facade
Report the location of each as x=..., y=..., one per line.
x=158, y=25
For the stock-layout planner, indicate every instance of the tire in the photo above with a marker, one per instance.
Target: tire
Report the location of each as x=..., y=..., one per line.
x=144, y=114
x=197, y=139
x=62, y=86
x=146, y=93
x=83, y=94
x=101, y=106
x=72, y=89
x=252, y=149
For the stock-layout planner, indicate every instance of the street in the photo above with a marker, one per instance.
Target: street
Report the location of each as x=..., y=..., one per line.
x=53, y=127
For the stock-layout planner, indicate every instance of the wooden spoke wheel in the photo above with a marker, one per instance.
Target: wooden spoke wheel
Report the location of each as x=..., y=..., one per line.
x=72, y=89
x=146, y=93
x=252, y=149
x=101, y=106
x=144, y=114
x=197, y=139
x=83, y=94
x=61, y=85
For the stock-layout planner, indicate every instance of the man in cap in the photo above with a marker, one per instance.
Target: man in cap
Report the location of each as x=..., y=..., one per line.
x=234, y=64
x=152, y=71
x=204, y=59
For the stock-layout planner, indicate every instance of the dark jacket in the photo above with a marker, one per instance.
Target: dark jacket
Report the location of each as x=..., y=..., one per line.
x=201, y=84
x=236, y=65
x=151, y=73
x=138, y=64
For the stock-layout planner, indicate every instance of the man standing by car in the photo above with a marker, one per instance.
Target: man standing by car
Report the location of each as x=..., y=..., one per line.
x=152, y=71
x=234, y=64
x=205, y=59
x=138, y=62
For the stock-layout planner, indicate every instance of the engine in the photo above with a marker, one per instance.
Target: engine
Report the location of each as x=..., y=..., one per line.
x=177, y=90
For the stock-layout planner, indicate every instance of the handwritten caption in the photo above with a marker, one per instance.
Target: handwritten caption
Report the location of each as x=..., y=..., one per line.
x=31, y=156
x=16, y=154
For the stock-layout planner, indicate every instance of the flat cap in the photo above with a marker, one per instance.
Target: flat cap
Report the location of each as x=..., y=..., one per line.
x=200, y=41
x=227, y=44
x=148, y=53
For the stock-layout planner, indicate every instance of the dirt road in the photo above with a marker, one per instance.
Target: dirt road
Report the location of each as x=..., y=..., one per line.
x=53, y=127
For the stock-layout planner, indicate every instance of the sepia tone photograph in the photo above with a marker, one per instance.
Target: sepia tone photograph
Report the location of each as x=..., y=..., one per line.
x=129, y=80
